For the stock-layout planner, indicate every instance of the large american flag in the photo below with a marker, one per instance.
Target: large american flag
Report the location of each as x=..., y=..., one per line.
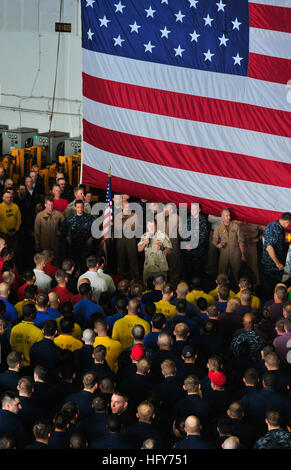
x=188, y=100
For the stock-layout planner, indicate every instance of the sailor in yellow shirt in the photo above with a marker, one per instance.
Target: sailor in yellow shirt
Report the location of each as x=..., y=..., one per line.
x=10, y=219
x=214, y=294
x=196, y=292
x=25, y=334
x=245, y=283
x=122, y=328
x=194, y=295
x=164, y=306
x=19, y=305
x=221, y=280
x=66, y=340
x=113, y=347
x=10, y=216
x=255, y=302
x=77, y=331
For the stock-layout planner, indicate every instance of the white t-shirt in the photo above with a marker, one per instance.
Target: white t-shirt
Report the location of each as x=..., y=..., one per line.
x=42, y=280
x=98, y=284
x=109, y=281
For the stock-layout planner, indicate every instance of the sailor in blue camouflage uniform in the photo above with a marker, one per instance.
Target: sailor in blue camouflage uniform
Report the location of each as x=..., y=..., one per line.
x=255, y=342
x=275, y=433
x=76, y=228
x=273, y=253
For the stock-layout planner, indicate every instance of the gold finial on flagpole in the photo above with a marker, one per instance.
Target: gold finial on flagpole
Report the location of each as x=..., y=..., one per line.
x=109, y=169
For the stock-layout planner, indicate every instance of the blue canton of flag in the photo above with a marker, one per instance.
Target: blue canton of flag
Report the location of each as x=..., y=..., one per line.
x=206, y=35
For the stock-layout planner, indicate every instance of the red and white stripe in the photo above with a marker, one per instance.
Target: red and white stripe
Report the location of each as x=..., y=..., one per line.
x=173, y=133
x=107, y=221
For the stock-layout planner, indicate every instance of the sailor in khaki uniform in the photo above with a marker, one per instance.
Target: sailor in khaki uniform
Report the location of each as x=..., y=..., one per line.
x=229, y=239
x=251, y=233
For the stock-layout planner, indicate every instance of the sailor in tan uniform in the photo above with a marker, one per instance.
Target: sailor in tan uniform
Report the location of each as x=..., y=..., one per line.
x=252, y=234
x=229, y=239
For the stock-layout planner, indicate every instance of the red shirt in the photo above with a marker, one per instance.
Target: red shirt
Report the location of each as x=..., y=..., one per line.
x=20, y=291
x=50, y=270
x=77, y=298
x=18, y=278
x=60, y=204
x=65, y=295
x=116, y=279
